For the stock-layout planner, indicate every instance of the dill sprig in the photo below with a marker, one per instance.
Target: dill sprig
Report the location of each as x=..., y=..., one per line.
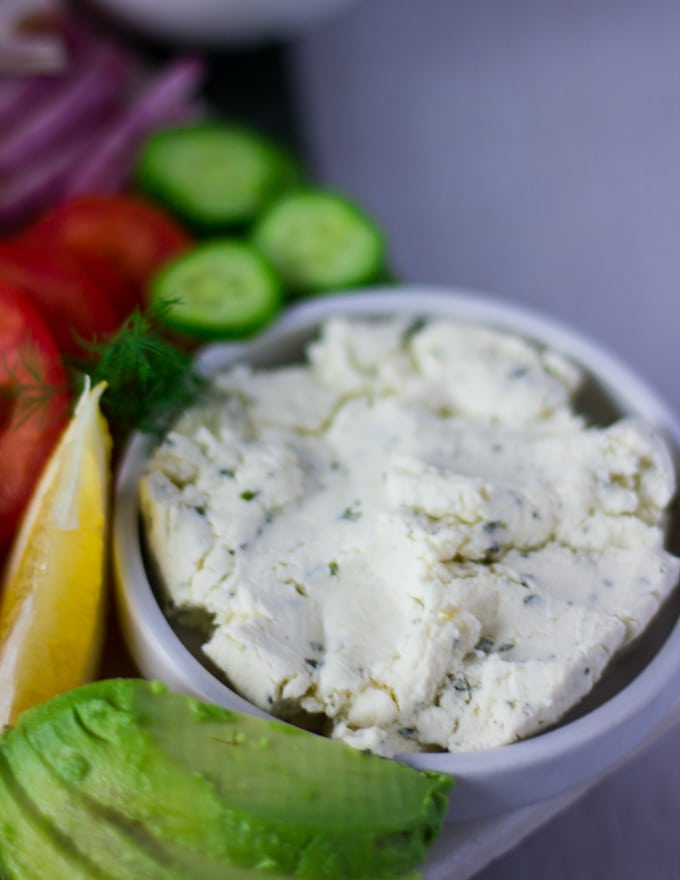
x=150, y=380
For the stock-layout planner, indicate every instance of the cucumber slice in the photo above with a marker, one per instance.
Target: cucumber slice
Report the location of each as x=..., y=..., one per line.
x=220, y=290
x=318, y=240
x=214, y=175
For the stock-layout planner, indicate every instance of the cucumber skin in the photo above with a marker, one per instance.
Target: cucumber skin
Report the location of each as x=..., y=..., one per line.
x=237, y=838
x=374, y=273
x=286, y=173
x=213, y=331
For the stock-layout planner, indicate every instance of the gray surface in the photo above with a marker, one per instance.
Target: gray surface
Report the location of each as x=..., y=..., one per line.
x=531, y=149
x=528, y=148
x=625, y=828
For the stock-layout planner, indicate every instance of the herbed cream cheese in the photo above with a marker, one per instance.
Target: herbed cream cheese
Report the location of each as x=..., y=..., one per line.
x=412, y=533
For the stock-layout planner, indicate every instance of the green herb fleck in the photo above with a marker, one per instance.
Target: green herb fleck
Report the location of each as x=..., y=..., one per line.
x=413, y=328
x=351, y=514
x=461, y=683
x=485, y=645
x=248, y=495
x=406, y=732
x=333, y=567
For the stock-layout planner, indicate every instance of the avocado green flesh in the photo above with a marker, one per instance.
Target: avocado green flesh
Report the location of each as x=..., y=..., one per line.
x=194, y=787
x=118, y=847
x=96, y=833
x=30, y=849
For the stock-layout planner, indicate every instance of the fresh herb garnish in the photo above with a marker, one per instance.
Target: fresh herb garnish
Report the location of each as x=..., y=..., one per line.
x=150, y=380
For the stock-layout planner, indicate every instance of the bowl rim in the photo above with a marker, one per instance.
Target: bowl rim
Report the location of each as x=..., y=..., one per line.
x=633, y=713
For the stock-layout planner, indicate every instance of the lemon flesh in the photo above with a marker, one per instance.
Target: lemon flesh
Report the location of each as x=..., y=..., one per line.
x=53, y=597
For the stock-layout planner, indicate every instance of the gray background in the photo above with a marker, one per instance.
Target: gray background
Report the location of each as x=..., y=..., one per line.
x=531, y=149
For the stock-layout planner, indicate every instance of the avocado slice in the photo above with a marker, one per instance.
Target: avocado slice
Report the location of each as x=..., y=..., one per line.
x=66, y=840
x=101, y=836
x=30, y=849
x=228, y=788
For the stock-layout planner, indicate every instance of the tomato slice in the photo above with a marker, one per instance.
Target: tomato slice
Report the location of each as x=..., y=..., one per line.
x=69, y=296
x=34, y=403
x=133, y=235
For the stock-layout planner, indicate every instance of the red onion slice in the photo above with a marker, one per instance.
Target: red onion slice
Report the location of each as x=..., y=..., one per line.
x=84, y=98
x=40, y=185
x=160, y=103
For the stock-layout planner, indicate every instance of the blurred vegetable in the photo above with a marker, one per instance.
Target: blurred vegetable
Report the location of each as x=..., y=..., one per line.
x=80, y=130
x=222, y=289
x=214, y=175
x=108, y=164
x=18, y=94
x=34, y=404
x=319, y=240
x=26, y=194
x=91, y=93
x=134, y=238
x=70, y=300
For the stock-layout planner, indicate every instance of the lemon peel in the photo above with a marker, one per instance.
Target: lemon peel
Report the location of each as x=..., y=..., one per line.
x=53, y=596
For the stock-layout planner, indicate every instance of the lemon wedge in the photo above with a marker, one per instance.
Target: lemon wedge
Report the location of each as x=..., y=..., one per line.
x=53, y=596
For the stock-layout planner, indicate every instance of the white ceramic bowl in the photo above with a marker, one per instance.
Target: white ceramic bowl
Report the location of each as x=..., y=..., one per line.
x=219, y=22
x=639, y=693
